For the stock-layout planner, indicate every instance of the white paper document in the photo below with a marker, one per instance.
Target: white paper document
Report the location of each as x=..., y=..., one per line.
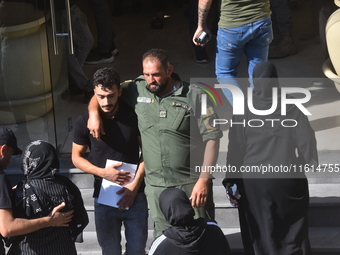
x=107, y=195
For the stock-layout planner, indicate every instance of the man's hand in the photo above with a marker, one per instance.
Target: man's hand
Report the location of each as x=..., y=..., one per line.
x=233, y=201
x=95, y=125
x=112, y=174
x=129, y=195
x=58, y=219
x=203, y=10
x=197, y=34
x=233, y=194
x=199, y=193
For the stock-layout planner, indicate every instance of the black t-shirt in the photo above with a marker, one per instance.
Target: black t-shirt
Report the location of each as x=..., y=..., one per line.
x=5, y=192
x=119, y=142
x=5, y=199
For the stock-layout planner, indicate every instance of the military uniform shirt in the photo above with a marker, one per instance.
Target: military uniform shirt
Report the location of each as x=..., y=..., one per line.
x=173, y=131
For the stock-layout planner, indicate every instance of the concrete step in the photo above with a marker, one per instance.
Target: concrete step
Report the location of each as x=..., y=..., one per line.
x=324, y=241
x=323, y=212
x=324, y=197
x=323, y=209
x=324, y=206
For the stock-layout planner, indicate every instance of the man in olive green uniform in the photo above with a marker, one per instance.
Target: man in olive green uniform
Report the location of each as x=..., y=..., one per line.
x=176, y=137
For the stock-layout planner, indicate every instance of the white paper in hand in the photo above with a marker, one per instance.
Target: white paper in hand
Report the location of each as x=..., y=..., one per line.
x=107, y=195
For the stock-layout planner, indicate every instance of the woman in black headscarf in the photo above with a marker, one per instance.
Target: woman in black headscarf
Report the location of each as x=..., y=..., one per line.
x=186, y=235
x=36, y=197
x=272, y=208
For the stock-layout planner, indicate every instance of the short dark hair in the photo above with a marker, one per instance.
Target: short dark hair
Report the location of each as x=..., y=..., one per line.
x=158, y=54
x=106, y=77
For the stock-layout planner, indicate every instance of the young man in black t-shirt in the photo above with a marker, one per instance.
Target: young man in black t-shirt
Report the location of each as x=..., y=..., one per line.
x=10, y=226
x=121, y=143
x=8, y=147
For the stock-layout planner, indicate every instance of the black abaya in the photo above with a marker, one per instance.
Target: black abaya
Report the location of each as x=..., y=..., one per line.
x=273, y=211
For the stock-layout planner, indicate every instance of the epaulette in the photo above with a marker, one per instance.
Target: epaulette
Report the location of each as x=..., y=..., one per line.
x=124, y=84
x=140, y=78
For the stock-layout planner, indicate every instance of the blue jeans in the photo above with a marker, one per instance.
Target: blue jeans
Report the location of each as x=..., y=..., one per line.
x=253, y=39
x=108, y=226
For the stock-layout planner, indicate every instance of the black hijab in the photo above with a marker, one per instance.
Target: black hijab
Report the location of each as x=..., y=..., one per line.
x=265, y=78
x=40, y=164
x=185, y=231
x=39, y=160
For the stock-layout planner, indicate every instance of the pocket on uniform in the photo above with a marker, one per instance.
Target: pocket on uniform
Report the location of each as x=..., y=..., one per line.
x=178, y=119
x=181, y=120
x=144, y=122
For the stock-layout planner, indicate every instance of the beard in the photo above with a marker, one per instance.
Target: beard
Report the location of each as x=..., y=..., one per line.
x=159, y=86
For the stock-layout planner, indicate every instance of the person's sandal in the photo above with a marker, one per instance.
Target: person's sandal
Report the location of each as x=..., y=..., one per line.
x=157, y=23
